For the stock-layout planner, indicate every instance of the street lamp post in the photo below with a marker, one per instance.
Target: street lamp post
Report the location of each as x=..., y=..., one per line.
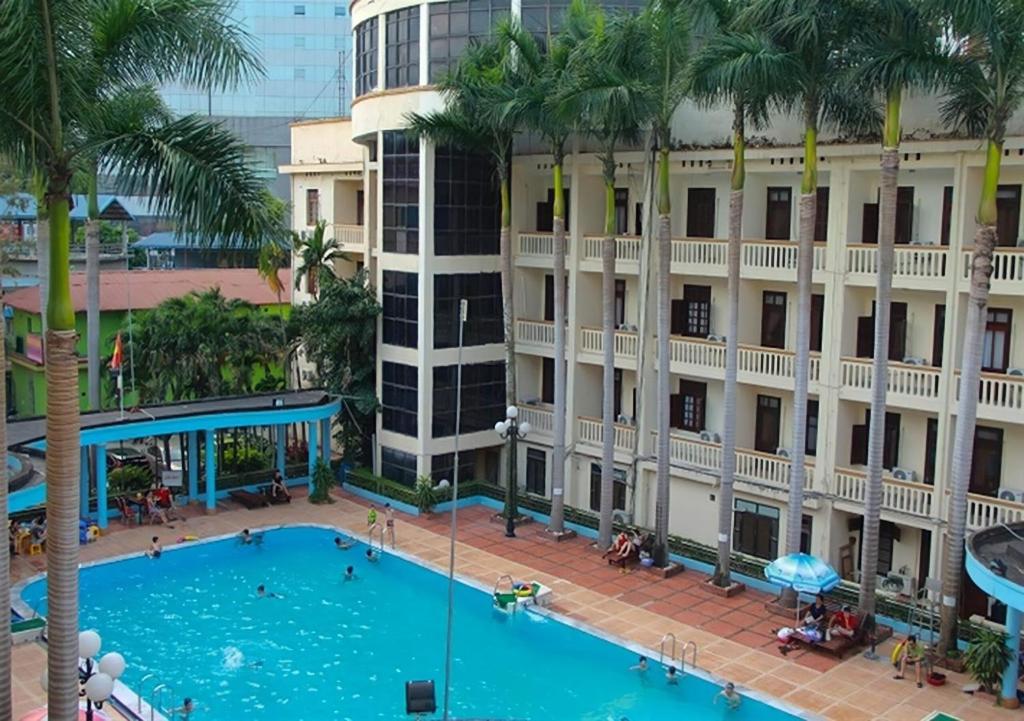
x=97, y=679
x=513, y=430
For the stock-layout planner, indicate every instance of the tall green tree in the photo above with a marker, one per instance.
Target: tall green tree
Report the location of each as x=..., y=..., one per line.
x=194, y=169
x=985, y=89
x=613, y=96
x=538, y=105
x=317, y=254
x=818, y=34
x=476, y=94
x=747, y=72
x=338, y=332
x=899, y=53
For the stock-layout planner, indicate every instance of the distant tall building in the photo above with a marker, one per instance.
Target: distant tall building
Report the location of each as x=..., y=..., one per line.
x=306, y=52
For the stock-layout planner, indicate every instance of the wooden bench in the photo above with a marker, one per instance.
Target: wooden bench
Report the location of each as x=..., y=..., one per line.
x=249, y=499
x=838, y=646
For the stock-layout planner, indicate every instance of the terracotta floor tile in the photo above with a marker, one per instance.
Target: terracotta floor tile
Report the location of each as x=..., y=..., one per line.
x=846, y=712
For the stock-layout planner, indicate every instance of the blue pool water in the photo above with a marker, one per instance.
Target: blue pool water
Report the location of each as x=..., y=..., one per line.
x=331, y=650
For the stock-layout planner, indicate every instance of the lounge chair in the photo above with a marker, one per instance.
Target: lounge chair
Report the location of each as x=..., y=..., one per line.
x=249, y=499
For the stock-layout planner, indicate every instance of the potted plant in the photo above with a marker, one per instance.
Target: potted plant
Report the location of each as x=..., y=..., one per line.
x=323, y=480
x=424, y=493
x=986, y=657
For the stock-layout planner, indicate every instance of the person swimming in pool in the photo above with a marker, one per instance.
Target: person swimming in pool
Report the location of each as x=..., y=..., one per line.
x=343, y=545
x=670, y=676
x=155, y=549
x=732, y=699
x=262, y=592
x=350, y=574
x=245, y=538
x=184, y=712
x=641, y=665
x=372, y=556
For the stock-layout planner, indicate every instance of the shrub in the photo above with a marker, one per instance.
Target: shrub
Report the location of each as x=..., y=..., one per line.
x=241, y=459
x=986, y=657
x=127, y=480
x=323, y=481
x=424, y=492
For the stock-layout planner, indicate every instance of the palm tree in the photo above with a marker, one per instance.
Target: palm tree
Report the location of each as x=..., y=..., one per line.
x=194, y=169
x=476, y=94
x=986, y=88
x=817, y=34
x=901, y=52
x=613, y=98
x=316, y=254
x=537, y=105
x=746, y=71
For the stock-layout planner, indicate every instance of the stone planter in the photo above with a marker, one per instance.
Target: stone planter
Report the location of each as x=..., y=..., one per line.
x=733, y=589
x=672, y=569
x=559, y=537
x=955, y=665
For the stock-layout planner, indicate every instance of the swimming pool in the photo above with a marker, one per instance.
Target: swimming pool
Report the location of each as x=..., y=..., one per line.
x=331, y=650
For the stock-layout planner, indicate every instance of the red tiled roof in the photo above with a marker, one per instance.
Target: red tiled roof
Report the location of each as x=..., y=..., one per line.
x=149, y=288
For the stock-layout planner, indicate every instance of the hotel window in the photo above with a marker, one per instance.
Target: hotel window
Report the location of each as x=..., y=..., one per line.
x=339, y=11
x=536, y=471
x=454, y=25
x=312, y=206
x=442, y=467
x=401, y=176
x=483, y=317
x=366, y=56
x=467, y=206
x=398, y=466
x=400, y=311
x=995, y=350
x=398, y=398
x=299, y=10
x=618, y=488
x=483, y=398
x=402, y=48
x=755, y=529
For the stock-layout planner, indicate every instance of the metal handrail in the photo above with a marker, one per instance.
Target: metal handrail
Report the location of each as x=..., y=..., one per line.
x=672, y=652
x=142, y=687
x=682, y=658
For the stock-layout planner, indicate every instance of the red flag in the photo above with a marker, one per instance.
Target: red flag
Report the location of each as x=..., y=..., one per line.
x=118, y=358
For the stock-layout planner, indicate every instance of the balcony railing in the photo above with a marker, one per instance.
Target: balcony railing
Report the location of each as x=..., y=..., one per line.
x=916, y=499
x=627, y=249
x=26, y=249
x=539, y=245
x=1007, y=270
x=696, y=353
x=754, y=467
x=627, y=343
x=912, y=264
x=1000, y=396
x=540, y=418
x=536, y=333
x=591, y=431
x=701, y=255
x=754, y=363
x=985, y=511
x=348, y=235
x=907, y=383
x=768, y=258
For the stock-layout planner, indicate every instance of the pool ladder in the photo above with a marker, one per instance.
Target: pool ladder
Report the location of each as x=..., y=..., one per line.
x=380, y=530
x=669, y=639
x=157, y=697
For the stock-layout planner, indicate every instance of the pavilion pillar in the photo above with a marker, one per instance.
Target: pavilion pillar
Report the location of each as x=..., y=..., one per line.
x=211, y=471
x=281, y=432
x=101, y=485
x=1008, y=688
x=84, y=484
x=311, y=460
x=193, y=466
x=325, y=442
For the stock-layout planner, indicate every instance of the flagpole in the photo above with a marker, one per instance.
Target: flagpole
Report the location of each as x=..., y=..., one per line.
x=120, y=387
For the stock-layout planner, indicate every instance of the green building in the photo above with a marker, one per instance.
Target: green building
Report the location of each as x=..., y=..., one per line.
x=120, y=291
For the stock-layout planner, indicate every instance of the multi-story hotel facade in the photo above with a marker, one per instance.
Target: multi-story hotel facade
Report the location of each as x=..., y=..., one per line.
x=423, y=220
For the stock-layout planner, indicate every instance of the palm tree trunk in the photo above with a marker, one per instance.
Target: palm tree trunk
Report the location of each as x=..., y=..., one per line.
x=722, y=577
x=802, y=354
x=5, y=560
x=967, y=406
x=92, y=296
x=62, y=472
x=880, y=363
x=43, y=267
x=664, y=480
x=604, y=530
x=508, y=319
x=558, y=444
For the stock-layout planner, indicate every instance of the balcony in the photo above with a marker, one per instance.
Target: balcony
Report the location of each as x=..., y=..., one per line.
x=985, y=511
x=919, y=267
x=627, y=254
x=759, y=259
x=541, y=419
x=350, y=238
x=909, y=386
x=699, y=256
x=1007, y=271
x=535, y=336
x=1000, y=397
x=752, y=467
x=914, y=499
x=536, y=249
x=590, y=431
x=755, y=364
x=591, y=350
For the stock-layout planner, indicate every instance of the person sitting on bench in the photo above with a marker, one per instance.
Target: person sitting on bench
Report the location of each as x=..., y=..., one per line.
x=843, y=623
x=621, y=548
x=278, y=489
x=817, y=613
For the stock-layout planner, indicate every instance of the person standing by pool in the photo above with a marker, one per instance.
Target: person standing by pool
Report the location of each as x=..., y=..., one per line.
x=371, y=521
x=732, y=699
x=389, y=523
x=155, y=549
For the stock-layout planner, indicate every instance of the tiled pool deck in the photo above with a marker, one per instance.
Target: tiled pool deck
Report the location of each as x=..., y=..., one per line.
x=733, y=635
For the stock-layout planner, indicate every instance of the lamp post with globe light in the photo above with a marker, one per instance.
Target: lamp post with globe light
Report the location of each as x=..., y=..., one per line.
x=512, y=430
x=97, y=678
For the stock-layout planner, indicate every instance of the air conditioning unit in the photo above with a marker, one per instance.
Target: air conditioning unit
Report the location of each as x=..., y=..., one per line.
x=710, y=436
x=531, y=401
x=783, y=452
x=895, y=583
x=913, y=360
x=1011, y=494
x=904, y=474
x=1015, y=372
x=716, y=338
x=625, y=420
x=918, y=241
x=622, y=517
